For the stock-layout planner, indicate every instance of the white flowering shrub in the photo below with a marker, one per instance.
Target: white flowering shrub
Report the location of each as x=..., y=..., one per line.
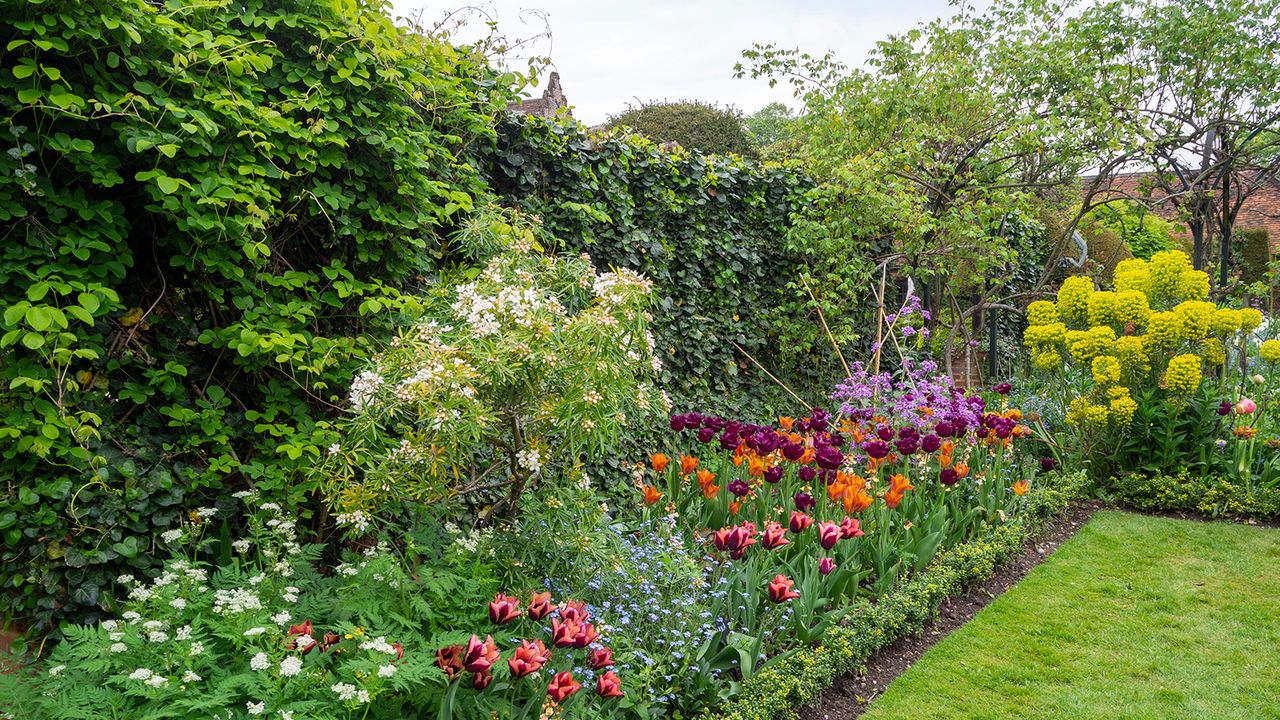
x=515, y=373
x=264, y=635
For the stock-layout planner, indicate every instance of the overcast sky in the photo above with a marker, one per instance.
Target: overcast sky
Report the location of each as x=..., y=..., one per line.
x=610, y=54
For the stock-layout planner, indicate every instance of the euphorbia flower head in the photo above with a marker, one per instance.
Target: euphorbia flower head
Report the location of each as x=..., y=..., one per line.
x=528, y=658
x=780, y=589
x=562, y=686
x=799, y=522
x=1246, y=407
x=449, y=659
x=503, y=609
x=850, y=528
x=826, y=565
x=539, y=605
x=608, y=685
x=479, y=656
x=828, y=534
x=774, y=536
x=600, y=658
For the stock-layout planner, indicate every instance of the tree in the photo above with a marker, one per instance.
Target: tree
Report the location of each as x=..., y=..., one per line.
x=694, y=125
x=771, y=124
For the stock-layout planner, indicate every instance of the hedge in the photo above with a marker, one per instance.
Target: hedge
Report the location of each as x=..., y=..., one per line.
x=1211, y=496
x=798, y=680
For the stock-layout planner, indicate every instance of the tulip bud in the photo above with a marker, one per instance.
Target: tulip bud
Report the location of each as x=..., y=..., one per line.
x=1258, y=379
x=826, y=565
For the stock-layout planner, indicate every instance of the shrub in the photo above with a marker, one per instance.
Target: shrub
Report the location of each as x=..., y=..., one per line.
x=209, y=215
x=504, y=380
x=1209, y=495
x=1143, y=232
x=697, y=126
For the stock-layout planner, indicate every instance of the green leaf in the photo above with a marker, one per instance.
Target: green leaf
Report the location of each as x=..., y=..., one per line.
x=168, y=185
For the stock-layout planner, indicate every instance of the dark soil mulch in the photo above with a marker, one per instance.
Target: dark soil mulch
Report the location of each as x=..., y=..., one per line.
x=850, y=694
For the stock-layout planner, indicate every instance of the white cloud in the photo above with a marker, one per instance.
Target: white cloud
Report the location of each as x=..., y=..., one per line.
x=610, y=54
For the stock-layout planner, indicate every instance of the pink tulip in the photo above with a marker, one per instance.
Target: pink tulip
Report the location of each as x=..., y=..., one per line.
x=780, y=589
x=774, y=536
x=1246, y=407
x=828, y=534
x=504, y=609
x=826, y=565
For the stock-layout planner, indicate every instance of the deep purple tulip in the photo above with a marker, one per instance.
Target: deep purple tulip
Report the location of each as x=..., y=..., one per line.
x=728, y=440
x=1048, y=463
x=949, y=476
x=805, y=502
x=983, y=432
x=677, y=423
x=793, y=451
x=706, y=434
x=773, y=474
x=876, y=449
x=739, y=487
x=808, y=473
x=944, y=428
x=827, y=457
x=885, y=433
x=906, y=445
x=1004, y=388
x=1224, y=408
x=931, y=443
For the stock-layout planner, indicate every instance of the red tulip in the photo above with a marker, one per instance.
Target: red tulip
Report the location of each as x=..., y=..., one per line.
x=600, y=658
x=449, y=659
x=399, y=650
x=826, y=565
x=299, y=630
x=481, y=680
x=479, y=656
x=303, y=629
x=575, y=610
x=562, y=686
x=503, y=609
x=780, y=589
x=586, y=635
x=563, y=634
x=330, y=639
x=608, y=685
x=539, y=605
x=528, y=658
x=850, y=528
x=828, y=534
x=774, y=536
x=800, y=522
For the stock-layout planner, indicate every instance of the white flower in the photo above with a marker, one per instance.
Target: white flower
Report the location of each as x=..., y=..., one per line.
x=347, y=692
x=108, y=624
x=291, y=666
x=304, y=641
x=334, y=449
x=386, y=671
x=254, y=631
x=178, y=603
x=153, y=625
x=257, y=579
x=379, y=644
x=530, y=459
x=141, y=674
x=259, y=662
x=206, y=512
x=281, y=618
x=118, y=647
x=241, y=494
x=157, y=681
x=196, y=648
x=125, y=579
x=56, y=670
x=290, y=594
x=236, y=600
x=131, y=616
x=190, y=677
x=241, y=546
x=363, y=388
x=183, y=633
x=171, y=536
x=285, y=714
x=156, y=636
x=358, y=519
x=256, y=708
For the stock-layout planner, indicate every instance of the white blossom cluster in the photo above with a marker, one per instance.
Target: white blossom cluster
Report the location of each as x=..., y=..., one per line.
x=363, y=389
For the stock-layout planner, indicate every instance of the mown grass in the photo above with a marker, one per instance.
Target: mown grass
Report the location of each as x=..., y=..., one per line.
x=1135, y=617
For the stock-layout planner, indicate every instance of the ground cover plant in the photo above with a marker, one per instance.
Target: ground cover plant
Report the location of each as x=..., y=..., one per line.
x=1161, y=617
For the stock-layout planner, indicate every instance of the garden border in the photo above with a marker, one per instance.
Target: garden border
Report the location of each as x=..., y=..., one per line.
x=782, y=689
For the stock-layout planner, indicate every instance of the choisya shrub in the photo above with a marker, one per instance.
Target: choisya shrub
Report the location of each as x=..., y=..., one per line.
x=516, y=374
x=210, y=210
x=1139, y=350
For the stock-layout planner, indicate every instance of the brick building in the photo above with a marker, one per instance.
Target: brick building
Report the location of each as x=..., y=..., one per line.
x=549, y=105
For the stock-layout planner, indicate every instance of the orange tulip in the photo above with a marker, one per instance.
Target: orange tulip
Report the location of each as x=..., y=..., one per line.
x=892, y=498
x=962, y=469
x=651, y=495
x=944, y=461
x=709, y=491
x=739, y=454
x=659, y=462
x=900, y=483
x=786, y=423
x=705, y=477
x=948, y=447
x=688, y=464
x=1013, y=414
x=756, y=465
x=859, y=502
x=1020, y=488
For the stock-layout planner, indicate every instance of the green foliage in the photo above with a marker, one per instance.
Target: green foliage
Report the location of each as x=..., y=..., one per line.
x=780, y=689
x=210, y=209
x=770, y=125
x=504, y=381
x=1193, y=491
x=1143, y=232
x=695, y=126
x=1254, y=254
x=704, y=229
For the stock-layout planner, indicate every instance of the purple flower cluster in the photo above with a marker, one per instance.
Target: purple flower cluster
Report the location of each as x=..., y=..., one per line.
x=761, y=438
x=921, y=398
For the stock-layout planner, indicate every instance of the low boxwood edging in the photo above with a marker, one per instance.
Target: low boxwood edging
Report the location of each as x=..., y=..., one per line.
x=780, y=689
x=1212, y=496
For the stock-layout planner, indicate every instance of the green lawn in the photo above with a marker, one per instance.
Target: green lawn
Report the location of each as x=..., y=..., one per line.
x=1134, y=617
